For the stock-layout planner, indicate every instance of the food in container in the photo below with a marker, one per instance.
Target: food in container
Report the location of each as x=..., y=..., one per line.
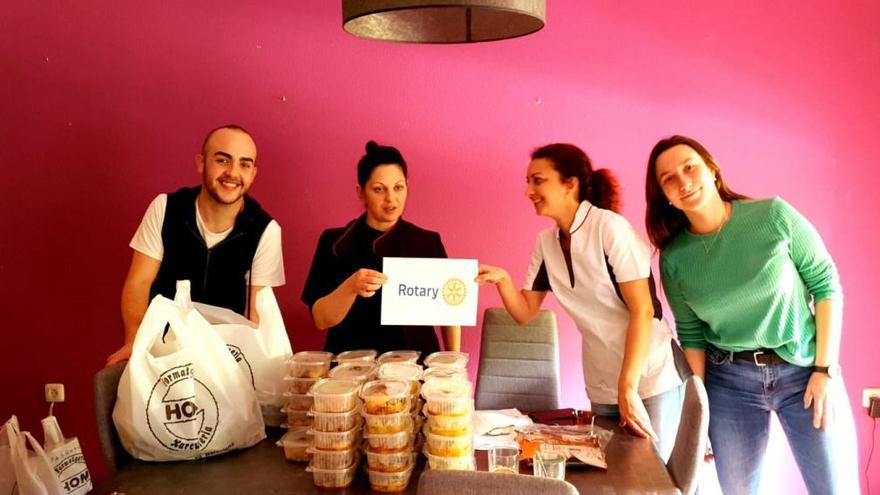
x=299, y=385
x=448, y=372
x=333, y=459
x=461, y=463
x=410, y=372
x=444, y=446
x=390, y=462
x=447, y=358
x=447, y=397
x=399, y=357
x=298, y=402
x=310, y=364
x=450, y=426
x=390, y=482
x=335, y=440
x=332, y=395
x=296, y=443
x=388, y=423
x=333, y=478
x=389, y=442
x=359, y=355
x=297, y=418
x=331, y=421
x=354, y=370
x=386, y=396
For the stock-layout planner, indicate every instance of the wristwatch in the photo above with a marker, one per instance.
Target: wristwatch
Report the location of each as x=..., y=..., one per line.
x=832, y=370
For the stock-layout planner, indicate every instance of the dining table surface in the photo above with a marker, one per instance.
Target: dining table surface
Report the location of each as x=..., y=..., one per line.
x=634, y=467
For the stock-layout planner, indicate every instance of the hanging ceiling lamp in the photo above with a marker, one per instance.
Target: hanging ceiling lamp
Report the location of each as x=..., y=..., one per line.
x=442, y=21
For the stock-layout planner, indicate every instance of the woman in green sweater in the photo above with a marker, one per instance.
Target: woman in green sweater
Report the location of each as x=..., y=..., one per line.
x=739, y=275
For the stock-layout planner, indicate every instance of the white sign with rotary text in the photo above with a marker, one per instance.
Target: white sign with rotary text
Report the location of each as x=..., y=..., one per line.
x=429, y=291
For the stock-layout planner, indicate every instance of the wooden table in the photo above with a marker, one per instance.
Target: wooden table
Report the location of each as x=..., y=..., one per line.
x=633, y=468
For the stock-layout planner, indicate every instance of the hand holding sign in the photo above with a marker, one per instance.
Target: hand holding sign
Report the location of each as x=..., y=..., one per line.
x=366, y=282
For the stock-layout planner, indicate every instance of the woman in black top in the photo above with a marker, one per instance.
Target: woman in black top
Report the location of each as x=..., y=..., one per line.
x=342, y=289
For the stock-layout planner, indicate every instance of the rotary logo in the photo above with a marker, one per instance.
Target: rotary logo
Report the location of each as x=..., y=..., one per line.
x=454, y=292
x=185, y=409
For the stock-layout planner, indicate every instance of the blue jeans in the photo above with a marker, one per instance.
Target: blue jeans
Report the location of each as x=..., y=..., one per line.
x=665, y=413
x=741, y=397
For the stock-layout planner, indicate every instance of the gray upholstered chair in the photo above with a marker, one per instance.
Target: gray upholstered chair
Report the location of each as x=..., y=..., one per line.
x=687, y=459
x=483, y=483
x=106, y=383
x=519, y=364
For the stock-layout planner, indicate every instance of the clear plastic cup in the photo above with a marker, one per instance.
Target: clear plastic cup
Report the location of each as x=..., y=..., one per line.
x=309, y=364
x=549, y=465
x=389, y=442
x=444, y=372
x=447, y=397
x=332, y=395
x=504, y=459
x=390, y=462
x=299, y=385
x=333, y=459
x=447, y=358
x=335, y=440
x=360, y=355
x=333, y=478
x=361, y=371
x=444, y=446
x=442, y=463
x=390, y=482
x=388, y=423
x=296, y=444
x=399, y=357
x=386, y=396
x=298, y=402
x=331, y=421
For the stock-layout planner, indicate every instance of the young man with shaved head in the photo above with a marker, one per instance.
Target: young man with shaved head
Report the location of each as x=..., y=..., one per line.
x=214, y=235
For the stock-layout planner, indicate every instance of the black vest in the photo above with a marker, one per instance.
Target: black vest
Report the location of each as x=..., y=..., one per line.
x=216, y=275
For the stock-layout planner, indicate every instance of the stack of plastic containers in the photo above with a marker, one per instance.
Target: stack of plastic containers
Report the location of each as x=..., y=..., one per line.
x=388, y=431
x=336, y=432
x=304, y=369
x=448, y=411
x=357, y=356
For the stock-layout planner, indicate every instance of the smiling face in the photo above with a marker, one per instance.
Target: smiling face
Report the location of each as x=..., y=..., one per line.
x=549, y=193
x=384, y=196
x=685, y=178
x=228, y=165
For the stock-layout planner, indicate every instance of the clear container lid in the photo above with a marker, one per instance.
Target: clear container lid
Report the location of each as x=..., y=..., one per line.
x=311, y=357
x=353, y=370
x=446, y=390
x=401, y=371
x=387, y=387
x=357, y=355
x=445, y=373
x=447, y=358
x=334, y=386
x=399, y=356
x=296, y=436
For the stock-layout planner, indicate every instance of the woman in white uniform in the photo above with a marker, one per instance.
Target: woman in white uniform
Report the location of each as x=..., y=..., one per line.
x=599, y=269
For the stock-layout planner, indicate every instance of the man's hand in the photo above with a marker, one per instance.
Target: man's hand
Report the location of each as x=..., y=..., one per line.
x=366, y=282
x=121, y=355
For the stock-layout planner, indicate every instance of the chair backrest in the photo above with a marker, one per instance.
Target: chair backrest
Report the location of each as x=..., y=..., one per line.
x=106, y=383
x=483, y=483
x=519, y=364
x=687, y=458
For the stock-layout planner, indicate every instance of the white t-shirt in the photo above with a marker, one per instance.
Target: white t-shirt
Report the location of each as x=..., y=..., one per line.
x=268, y=263
x=602, y=242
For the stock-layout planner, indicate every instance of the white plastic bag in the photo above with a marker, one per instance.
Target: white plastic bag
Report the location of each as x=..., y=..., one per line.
x=66, y=458
x=33, y=472
x=7, y=470
x=182, y=395
x=259, y=349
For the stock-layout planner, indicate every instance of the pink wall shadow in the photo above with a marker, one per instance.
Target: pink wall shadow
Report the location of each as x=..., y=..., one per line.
x=105, y=104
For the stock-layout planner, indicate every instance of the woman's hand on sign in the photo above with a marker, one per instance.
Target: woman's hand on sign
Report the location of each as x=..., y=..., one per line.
x=491, y=274
x=366, y=282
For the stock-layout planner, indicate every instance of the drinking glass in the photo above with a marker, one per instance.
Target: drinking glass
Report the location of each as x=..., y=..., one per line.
x=549, y=465
x=504, y=459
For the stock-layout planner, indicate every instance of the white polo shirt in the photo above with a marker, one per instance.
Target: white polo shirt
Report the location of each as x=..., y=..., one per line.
x=605, y=251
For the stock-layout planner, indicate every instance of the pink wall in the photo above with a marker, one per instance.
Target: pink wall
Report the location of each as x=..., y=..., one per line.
x=104, y=104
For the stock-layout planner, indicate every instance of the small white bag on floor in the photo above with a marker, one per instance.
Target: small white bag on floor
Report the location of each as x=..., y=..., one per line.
x=182, y=395
x=259, y=349
x=66, y=458
x=33, y=471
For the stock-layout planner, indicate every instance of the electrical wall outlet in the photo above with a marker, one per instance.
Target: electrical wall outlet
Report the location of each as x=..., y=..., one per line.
x=54, y=392
x=867, y=394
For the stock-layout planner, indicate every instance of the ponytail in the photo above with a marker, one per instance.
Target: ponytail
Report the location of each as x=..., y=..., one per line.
x=603, y=190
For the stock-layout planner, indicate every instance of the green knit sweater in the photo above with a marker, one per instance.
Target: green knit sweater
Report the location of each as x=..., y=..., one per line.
x=750, y=285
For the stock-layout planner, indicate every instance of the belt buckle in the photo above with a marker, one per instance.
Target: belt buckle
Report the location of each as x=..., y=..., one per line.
x=755, y=359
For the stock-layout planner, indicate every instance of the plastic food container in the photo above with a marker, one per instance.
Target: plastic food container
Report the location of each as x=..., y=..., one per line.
x=332, y=459
x=310, y=364
x=446, y=372
x=390, y=462
x=298, y=402
x=332, y=478
x=296, y=444
x=361, y=371
x=462, y=463
x=297, y=418
x=299, y=385
x=335, y=440
x=444, y=446
x=332, y=395
x=390, y=482
x=400, y=370
x=450, y=426
x=399, y=357
x=386, y=396
x=362, y=355
x=447, y=397
x=389, y=442
x=388, y=423
x=328, y=421
x=447, y=358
